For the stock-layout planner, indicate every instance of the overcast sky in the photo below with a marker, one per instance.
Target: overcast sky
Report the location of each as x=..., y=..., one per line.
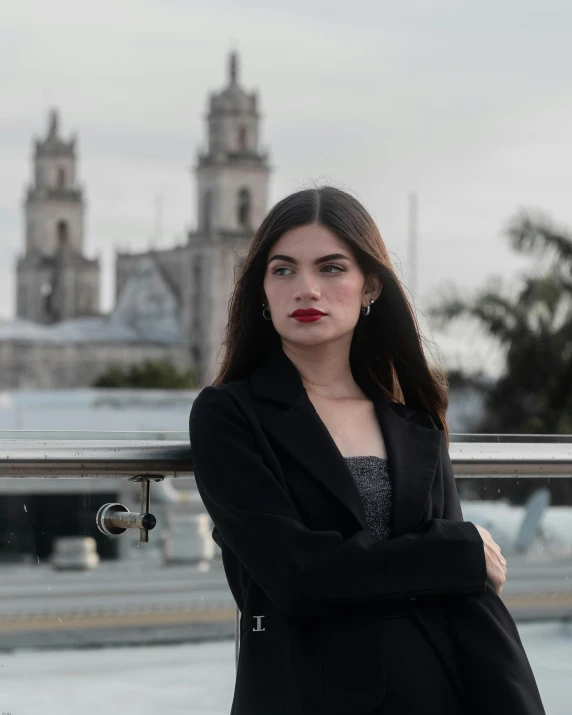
x=468, y=104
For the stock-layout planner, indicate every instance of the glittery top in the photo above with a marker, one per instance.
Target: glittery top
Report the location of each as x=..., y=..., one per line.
x=374, y=485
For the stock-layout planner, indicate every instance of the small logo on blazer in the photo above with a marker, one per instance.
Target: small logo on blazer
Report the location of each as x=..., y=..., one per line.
x=258, y=623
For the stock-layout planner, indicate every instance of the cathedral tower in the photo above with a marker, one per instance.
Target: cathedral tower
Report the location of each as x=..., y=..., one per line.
x=54, y=279
x=232, y=175
x=232, y=190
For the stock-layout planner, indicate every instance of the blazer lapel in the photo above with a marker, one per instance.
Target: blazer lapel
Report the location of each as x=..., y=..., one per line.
x=413, y=455
x=302, y=433
x=287, y=413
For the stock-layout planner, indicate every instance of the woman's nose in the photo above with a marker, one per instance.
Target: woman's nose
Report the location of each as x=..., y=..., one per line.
x=306, y=288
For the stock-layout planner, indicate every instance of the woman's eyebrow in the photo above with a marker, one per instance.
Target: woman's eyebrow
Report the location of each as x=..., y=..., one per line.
x=289, y=259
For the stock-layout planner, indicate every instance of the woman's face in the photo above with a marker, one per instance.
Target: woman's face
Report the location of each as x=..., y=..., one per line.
x=310, y=268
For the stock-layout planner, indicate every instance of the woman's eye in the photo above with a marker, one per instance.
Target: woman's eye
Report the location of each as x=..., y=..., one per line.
x=279, y=270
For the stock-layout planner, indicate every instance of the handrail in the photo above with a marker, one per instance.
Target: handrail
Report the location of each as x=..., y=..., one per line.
x=93, y=458
x=492, y=455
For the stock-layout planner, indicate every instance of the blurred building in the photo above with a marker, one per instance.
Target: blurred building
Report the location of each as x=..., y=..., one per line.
x=194, y=281
x=55, y=280
x=74, y=352
x=59, y=338
x=170, y=304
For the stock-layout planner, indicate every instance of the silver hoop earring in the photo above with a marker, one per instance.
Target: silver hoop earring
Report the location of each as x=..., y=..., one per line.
x=367, y=308
x=265, y=312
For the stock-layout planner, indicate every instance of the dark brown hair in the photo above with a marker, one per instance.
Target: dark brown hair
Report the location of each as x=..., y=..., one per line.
x=386, y=352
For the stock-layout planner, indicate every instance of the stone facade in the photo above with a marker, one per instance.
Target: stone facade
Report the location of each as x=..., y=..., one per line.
x=55, y=280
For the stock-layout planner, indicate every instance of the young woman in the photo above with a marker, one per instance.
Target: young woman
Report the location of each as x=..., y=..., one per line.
x=321, y=455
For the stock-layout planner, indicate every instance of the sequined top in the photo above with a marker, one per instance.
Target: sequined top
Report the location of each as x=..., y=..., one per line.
x=372, y=479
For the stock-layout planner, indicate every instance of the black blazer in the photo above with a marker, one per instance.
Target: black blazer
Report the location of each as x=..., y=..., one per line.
x=311, y=582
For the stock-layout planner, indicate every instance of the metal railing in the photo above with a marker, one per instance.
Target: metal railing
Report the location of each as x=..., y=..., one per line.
x=472, y=456
x=485, y=455
x=21, y=458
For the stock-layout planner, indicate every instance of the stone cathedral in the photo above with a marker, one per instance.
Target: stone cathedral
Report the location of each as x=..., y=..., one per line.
x=231, y=201
x=54, y=279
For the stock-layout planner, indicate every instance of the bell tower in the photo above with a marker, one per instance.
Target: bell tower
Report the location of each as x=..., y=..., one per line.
x=54, y=279
x=232, y=193
x=232, y=175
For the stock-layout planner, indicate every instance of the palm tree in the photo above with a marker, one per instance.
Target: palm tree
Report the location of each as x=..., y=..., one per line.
x=534, y=326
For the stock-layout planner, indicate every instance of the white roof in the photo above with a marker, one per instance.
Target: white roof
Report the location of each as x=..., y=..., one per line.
x=97, y=329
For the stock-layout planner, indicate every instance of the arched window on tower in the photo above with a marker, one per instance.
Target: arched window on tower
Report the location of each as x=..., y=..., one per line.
x=244, y=208
x=207, y=210
x=62, y=233
x=61, y=178
x=243, y=139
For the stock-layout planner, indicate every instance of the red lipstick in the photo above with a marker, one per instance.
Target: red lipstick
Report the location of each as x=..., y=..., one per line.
x=307, y=315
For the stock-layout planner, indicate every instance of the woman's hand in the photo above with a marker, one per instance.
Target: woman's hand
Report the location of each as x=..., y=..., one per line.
x=496, y=562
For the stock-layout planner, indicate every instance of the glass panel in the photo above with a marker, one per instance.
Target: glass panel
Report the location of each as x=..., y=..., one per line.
x=76, y=605
x=531, y=520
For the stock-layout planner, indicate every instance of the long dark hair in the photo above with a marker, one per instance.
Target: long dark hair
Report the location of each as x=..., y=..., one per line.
x=386, y=352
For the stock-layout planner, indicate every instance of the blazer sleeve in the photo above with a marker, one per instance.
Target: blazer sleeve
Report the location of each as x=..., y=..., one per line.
x=451, y=502
x=304, y=571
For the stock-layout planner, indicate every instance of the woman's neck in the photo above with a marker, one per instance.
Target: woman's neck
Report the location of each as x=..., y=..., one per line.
x=324, y=369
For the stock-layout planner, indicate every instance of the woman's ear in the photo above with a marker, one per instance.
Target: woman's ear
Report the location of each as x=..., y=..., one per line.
x=372, y=287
